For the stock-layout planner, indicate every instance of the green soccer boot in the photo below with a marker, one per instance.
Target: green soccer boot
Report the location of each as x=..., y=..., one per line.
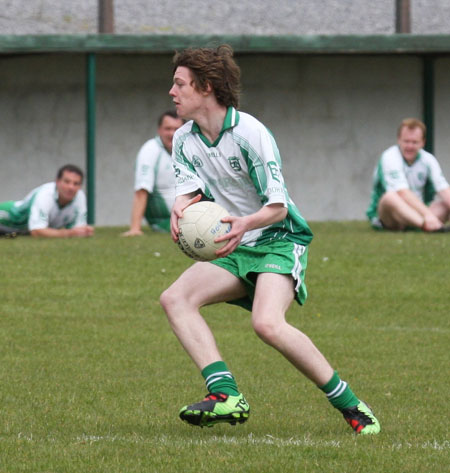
x=362, y=419
x=215, y=408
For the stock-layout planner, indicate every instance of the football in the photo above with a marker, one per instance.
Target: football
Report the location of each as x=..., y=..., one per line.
x=199, y=227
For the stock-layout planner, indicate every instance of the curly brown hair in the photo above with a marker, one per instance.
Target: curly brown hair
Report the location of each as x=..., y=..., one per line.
x=214, y=66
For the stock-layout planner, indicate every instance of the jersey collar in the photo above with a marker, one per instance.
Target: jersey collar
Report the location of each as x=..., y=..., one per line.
x=161, y=144
x=230, y=121
x=56, y=198
x=417, y=158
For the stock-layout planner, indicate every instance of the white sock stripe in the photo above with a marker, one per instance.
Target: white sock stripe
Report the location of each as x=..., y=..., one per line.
x=219, y=374
x=214, y=380
x=332, y=393
x=338, y=390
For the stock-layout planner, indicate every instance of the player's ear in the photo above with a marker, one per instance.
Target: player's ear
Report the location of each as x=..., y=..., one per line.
x=208, y=89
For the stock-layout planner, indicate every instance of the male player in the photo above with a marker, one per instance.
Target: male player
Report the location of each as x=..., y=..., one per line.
x=54, y=210
x=409, y=188
x=231, y=157
x=154, y=183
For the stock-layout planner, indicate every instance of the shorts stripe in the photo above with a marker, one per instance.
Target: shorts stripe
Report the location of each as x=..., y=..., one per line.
x=297, y=269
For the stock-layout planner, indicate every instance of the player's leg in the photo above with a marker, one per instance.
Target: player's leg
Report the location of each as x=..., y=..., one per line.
x=203, y=284
x=273, y=295
x=7, y=231
x=6, y=225
x=396, y=214
x=441, y=210
x=10, y=226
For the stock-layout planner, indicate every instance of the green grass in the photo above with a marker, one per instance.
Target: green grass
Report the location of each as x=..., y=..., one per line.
x=92, y=377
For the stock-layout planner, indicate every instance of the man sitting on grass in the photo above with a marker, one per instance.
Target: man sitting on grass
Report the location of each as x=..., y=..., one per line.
x=409, y=188
x=55, y=209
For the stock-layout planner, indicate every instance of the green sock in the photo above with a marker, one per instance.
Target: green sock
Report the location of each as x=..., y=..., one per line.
x=339, y=393
x=219, y=380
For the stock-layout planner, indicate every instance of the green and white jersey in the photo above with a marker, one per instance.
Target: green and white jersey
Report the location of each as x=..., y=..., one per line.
x=424, y=177
x=40, y=209
x=154, y=173
x=241, y=171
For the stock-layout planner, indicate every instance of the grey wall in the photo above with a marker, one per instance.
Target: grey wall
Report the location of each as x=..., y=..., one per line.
x=331, y=116
x=207, y=16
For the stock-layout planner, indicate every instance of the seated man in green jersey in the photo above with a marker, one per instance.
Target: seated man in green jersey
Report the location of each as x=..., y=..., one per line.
x=409, y=188
x=55, y=209
x=154, y=182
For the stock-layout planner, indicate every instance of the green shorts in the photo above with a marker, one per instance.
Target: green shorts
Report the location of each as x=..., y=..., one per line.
x=281, y=257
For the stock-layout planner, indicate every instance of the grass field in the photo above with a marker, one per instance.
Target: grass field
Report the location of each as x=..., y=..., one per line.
x=92, y=377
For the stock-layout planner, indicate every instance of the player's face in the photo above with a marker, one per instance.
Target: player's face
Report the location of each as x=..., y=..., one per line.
x=167, y=129
x=410, y=141
x=68, y=186
x=187, y=99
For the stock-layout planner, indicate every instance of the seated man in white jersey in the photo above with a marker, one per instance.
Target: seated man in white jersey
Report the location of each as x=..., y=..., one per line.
x=409, y=187
x=53, y=210
x=154, y=183
x=231, y=157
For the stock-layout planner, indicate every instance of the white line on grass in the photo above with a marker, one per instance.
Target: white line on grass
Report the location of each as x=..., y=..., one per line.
x=253, y=440
x=214, y=439
x=226, y=440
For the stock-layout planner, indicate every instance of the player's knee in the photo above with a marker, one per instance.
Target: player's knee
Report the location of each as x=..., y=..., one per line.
x=388, y=200
x=175, y=302
x=267, y=330
x=168, y=300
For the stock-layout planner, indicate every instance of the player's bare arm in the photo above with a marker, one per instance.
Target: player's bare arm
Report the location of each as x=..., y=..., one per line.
x=445, y=197
x=239, y=225
x=137, y=213
x=81, y=231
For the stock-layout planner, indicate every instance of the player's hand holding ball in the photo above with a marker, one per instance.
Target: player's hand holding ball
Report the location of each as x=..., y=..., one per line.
x=199, y=226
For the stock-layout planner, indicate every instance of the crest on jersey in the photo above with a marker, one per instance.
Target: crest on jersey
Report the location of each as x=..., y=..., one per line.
x=197, y=162
x=234, y=163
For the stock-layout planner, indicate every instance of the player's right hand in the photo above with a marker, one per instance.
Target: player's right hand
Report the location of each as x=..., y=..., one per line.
x=181, y=202
x=83, y=231
x=431, y=223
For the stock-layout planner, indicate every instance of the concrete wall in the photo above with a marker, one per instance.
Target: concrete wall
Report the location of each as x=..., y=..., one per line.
x=331, y=115
x=207, y=16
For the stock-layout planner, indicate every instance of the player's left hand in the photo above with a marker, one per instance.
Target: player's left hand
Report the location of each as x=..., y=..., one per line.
x=234, y=236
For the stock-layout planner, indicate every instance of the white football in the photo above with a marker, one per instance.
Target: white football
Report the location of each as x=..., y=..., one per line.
x=199, y=227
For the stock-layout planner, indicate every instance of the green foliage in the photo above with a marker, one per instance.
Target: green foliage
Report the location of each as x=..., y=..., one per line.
x=92, y=377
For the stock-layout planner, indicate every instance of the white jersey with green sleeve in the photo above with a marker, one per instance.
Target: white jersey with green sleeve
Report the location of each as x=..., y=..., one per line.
x=424, y=177
x=241, y=171
x=40, y=209
x=154, y=173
